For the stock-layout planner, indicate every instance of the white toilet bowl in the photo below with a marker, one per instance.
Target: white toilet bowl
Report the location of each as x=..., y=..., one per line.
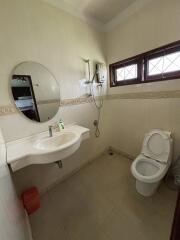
x=152, y=164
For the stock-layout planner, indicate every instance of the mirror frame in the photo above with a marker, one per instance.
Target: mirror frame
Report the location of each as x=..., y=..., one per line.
x=12, y=98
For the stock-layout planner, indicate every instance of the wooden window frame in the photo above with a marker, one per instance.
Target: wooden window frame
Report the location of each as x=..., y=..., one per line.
x=167, y=49
x=124, y=63
x=142, y=66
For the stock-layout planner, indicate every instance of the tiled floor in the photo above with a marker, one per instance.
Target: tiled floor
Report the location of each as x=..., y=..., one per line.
x=100, y=203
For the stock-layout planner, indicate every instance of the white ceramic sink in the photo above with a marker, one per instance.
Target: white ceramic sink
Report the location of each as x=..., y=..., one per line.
x=42, y=149
x=56, y=142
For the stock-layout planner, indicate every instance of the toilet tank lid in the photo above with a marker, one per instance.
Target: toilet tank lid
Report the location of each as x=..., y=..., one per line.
x=157, y=145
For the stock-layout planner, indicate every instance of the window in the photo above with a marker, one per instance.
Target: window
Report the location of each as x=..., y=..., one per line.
x=125, y=72
x=156, y=65
x=164, y=63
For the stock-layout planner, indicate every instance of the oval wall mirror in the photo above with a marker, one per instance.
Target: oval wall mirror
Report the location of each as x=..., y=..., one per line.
x=35, y=91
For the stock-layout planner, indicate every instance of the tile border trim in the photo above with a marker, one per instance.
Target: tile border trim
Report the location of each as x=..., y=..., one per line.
x=145, y=95
x=7, y=110
x=11, y=109
x=75, y=101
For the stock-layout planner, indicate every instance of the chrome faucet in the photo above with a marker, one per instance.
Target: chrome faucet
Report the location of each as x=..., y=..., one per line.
x=50, y=130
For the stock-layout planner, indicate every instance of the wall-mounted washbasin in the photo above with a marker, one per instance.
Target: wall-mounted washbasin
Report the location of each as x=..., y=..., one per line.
x=42, y=149
x=57, y=142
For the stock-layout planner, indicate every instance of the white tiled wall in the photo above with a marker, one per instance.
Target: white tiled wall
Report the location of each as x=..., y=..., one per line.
x=36, y=31
x=60, y=41
x=153, y=26
x=13, y=222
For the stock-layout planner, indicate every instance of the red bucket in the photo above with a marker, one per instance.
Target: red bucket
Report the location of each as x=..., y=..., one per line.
x=31, y=200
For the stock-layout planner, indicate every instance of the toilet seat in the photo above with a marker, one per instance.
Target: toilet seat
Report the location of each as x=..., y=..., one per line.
x=148, y=170
x=152, y=164
x=156, y=145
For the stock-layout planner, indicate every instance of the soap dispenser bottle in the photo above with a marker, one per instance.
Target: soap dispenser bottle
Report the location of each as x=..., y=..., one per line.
x=61, y=124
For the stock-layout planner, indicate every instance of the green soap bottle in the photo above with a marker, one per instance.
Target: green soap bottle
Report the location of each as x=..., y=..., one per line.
x=61, y=124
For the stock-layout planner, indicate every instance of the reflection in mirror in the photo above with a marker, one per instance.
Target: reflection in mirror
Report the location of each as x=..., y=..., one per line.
x=35, y=91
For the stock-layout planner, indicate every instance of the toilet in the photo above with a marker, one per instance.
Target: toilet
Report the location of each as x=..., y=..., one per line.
x=152, y=164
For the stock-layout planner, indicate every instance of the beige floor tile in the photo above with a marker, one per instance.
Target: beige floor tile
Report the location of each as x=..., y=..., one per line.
x=120, y=225
x=44, y=221
x=101, y=202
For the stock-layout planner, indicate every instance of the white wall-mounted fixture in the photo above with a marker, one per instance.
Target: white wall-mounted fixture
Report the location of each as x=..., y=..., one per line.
x=42, y=149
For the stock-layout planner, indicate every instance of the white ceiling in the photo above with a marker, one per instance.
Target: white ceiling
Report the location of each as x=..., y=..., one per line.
x=102, y=13
x=101, y=10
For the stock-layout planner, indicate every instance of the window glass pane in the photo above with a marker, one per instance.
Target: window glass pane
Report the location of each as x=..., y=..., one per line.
x=164, y=64
x=126, y=73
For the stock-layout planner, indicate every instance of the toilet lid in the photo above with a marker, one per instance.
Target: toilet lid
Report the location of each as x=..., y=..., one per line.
x=157, y=145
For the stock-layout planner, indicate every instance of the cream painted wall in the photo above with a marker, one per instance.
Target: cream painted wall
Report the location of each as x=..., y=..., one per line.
x=154, y=25
x=38, y=32
x=132, y=118
x=35, y=31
